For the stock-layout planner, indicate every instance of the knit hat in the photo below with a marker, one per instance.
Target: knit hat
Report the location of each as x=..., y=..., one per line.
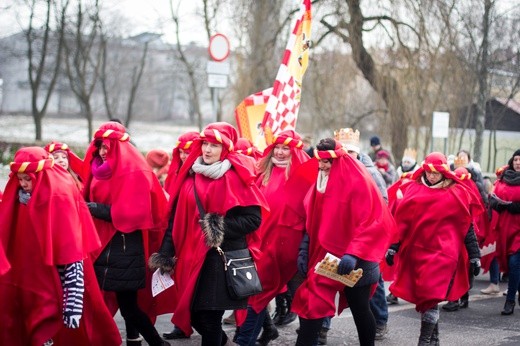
x=383, y=154
x=375, y=141
x=157, y=158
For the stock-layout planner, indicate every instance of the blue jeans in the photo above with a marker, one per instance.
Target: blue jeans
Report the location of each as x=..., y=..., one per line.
x=378, y=304
x=494, y=272
x=249, y=331
x=514, y=276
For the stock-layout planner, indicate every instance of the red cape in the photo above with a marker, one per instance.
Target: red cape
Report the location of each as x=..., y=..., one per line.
x=507, y=227
x=351, y=202
x=188, y=237
x=432, y=224
x=54, y=228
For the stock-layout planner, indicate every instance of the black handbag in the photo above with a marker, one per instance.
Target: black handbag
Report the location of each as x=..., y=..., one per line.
x=241, y=275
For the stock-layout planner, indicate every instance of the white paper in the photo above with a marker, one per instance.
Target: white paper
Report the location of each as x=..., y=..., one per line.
x=160, y=282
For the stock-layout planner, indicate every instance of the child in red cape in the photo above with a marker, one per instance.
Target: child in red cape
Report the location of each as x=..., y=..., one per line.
x=45, y=226
x=179, y=154
x=434, y=248
x=67, y=159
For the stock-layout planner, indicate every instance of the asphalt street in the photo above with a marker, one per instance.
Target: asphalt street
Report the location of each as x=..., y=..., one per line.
x=479, y=324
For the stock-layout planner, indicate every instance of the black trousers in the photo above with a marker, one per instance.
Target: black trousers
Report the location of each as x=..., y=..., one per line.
x=136, y=318
x=208, y=323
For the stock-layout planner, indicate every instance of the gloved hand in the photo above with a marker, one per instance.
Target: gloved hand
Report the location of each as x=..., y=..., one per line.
x=389, y=257
x=100, y=211
x=496, y=204
x=347, y=264
x=475, y=266
x=302, y=262
x=390, y=253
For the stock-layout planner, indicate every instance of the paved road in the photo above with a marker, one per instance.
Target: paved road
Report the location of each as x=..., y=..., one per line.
x=479, y=324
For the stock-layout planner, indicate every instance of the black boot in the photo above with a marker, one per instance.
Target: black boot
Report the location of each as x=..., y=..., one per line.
x=289, y=316
x=464, y=301
x=281, y=309
x=509, y=307
x=451, y=306
x=175, y=334
x=269, y=332
x=434, y=341
x=426, y=333
x=134, y=342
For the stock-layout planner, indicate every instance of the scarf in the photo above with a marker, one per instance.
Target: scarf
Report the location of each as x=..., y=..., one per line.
x=213, y=171
x=23, y=196
x=279, y=163
x=101, y=170
x=322, y=182
x=511, y=177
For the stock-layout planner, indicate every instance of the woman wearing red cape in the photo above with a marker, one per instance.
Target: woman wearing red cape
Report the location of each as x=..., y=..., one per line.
x=224, y=182
x=50, y=295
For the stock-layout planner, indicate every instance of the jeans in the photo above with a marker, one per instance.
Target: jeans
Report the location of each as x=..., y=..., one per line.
x=251, y=327
x=494, y=272
x=514, y=276
x=378, y=304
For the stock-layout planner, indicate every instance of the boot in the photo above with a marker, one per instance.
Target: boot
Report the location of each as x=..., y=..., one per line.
x=289, y=316
x=434, y=341
x=426, y=333
x=175, y=334
x=281, y=309
x=464, y=301
x=491, y=289
x=509, y=307
x=269, y=332
x=134, y=342
x=322, y=338
x=451, y=306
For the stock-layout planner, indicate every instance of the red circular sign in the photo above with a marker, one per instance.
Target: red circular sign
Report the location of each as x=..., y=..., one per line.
x=218, y=47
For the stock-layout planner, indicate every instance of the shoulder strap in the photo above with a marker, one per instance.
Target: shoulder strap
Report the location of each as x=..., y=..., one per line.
x=202, y=212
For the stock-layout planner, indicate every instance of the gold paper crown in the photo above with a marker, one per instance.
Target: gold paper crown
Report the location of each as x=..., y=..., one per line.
x=347, y=136
x=329, y=267
x=459, y=162
x=409, y=152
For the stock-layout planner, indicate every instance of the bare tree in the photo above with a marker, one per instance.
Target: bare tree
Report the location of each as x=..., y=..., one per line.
x=44, y=53
x=84, y=55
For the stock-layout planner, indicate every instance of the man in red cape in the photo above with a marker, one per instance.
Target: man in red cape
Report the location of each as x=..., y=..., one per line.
x=279, y=236
x=434, y=221
x=129, y=209
x=346, y=217
x=44, y=229
x=229, y=198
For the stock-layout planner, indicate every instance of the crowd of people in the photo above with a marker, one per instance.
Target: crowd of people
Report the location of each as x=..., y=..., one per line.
x=82, y=238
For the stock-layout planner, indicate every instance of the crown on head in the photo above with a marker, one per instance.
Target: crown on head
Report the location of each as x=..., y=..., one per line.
x=459, y=162
x=409, y=152
x=347, y=136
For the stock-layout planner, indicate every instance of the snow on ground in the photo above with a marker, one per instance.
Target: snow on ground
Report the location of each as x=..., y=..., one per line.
x=74, y=132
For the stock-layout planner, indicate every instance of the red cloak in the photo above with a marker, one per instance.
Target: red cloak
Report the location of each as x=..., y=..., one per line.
x=432, y=224
x=54, y=228
x=281, y=233
x=184, y=142
x=350, y=217
x=508, y=225
x=235, y=188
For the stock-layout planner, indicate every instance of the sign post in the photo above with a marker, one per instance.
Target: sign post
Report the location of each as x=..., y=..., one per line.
x=440, y=128
x=218, y=68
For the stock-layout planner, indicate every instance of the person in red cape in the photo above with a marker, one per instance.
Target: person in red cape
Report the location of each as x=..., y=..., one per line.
x=279, y=238
x=159, y=161
x=506, y=201
x=246, y=147
x=179, y=154
x=67, y=159
x=433, y=247
x=232, y=205
x=347, y=218
x=46, y=226
x=127, y=203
